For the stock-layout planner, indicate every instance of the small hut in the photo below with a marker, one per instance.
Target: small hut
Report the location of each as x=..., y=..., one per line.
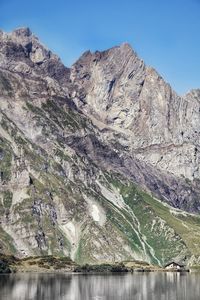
x=174, y=266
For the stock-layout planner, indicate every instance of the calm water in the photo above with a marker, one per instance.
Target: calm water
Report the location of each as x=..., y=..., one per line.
x=138, y=286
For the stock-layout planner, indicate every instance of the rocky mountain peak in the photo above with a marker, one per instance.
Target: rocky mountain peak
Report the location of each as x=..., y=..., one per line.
x=22, y=32
x=22, y=52
x=105, y=74
x=118, y=90
x=127, y=48
x=88, y=150
x=22, y=45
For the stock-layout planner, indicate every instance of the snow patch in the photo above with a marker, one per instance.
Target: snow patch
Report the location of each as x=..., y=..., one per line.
x=95, y=213
x=95, y=210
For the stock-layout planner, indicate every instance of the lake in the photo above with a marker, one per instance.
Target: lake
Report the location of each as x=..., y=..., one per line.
x=136, y=286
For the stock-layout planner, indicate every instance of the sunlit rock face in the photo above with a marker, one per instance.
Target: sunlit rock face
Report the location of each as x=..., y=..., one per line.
x=153, y=122
x=84, y=152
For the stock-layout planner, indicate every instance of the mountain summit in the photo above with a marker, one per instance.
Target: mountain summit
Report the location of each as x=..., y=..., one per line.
x=105, y=146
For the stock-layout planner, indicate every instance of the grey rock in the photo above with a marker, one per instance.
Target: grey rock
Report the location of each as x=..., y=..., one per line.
x=73, y=140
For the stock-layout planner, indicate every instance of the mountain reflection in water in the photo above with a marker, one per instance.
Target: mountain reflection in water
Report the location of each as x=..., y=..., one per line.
x=137, y=286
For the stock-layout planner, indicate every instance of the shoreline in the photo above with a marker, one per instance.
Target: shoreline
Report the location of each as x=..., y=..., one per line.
x=56, y=265
x=48, y=272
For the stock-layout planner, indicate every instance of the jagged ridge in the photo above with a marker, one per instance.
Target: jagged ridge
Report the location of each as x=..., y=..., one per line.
x=83, y=151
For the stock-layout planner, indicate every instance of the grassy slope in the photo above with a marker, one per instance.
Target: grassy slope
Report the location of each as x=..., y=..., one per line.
x=186, y=226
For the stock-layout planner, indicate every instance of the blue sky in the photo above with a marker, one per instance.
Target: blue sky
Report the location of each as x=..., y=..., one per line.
x=165, y=33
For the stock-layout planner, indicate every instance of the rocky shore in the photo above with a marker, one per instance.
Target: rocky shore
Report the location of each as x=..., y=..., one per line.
x=51, y=264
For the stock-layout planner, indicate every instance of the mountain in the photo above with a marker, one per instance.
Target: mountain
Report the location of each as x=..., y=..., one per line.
x=99, y=161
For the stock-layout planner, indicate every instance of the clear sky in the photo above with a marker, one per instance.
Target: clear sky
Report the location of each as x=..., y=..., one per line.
x=165, y=33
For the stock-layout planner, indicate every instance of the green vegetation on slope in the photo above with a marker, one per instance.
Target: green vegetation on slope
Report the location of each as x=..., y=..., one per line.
x=168, y=231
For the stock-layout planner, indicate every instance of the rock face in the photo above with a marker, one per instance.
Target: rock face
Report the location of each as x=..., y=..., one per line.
x=87, y=150
x=139, y=114
x=154, y=123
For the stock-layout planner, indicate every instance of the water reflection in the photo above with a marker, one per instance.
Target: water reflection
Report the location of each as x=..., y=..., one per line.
x=138, y=286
